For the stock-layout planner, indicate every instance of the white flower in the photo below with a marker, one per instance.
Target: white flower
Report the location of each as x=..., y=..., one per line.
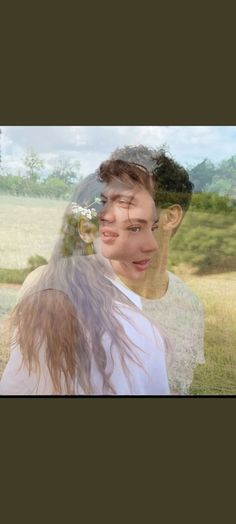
x=74, y=208
x=83, y=211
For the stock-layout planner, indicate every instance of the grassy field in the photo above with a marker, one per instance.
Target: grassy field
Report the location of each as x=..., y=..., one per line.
x=31, y=225
x=28, y=226
x=218, y=375
x=8, y=296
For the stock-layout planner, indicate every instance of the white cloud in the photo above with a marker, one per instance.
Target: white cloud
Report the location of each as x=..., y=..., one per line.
x=93, y=144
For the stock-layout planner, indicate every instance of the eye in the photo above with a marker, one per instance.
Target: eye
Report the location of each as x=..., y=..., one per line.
x=135, y=229
x=155, y=227
x=103, y=202
x=124, y=202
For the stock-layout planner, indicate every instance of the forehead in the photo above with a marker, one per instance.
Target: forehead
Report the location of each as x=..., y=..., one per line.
x=117, y=187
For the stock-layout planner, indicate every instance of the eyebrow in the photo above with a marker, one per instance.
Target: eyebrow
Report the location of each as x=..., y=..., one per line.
x=140, y=221
x=128, y=221
x=118, y=195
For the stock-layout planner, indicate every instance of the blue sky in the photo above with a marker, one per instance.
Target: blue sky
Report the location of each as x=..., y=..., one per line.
x=90, y=145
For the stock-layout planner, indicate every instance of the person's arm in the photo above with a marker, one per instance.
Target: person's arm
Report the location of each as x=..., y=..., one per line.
x=30, y=280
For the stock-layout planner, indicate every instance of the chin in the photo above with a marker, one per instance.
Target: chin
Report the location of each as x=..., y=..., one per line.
x=105, y=252
x=133, y=275
x=138, y=278
x=107, y=255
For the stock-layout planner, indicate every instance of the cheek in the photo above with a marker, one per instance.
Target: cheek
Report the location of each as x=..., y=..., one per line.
x=114, y=250
x=133, y=246
x=128, y=248
x=121, y=249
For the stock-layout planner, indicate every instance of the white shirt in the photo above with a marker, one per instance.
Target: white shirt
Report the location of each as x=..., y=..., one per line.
x=148, y=379
x=180, y=313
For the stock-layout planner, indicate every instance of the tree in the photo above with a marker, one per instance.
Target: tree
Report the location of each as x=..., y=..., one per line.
x=55, y=187
x=227, y=167
x=66, y=170
x=36, y=261
x=33, y=165
x=202, y=174
x=224, y=180
x=222, y=186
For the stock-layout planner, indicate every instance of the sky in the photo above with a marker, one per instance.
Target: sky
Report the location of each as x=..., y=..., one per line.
x=91, y=145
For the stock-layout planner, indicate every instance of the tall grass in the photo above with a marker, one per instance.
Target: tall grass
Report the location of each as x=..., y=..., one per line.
x=218, y=375
x=28, y=226
x=206, y=242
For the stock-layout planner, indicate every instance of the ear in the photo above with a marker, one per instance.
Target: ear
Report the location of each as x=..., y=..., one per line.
x=171, y=217
x=87, y=230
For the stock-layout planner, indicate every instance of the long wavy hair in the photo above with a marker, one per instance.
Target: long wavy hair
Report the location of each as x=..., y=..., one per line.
x=67, y=313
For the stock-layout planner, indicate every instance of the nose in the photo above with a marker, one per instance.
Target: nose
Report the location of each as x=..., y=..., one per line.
x=107, y=213
x=150, y=244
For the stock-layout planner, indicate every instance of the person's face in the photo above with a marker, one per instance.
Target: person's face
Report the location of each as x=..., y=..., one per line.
x=128, y=220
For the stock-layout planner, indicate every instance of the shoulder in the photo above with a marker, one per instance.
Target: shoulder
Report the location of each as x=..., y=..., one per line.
x=31, y=279
x=178, y=288
x=131, y=295
x=139, y=328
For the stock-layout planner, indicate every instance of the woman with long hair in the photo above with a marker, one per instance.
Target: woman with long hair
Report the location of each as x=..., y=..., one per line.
x=74, y=331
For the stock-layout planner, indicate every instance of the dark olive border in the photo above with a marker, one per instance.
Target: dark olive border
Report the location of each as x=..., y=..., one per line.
x=129, y=64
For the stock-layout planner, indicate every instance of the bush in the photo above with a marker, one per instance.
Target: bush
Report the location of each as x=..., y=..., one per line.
x=205, y=241
x=17, y=276
x=212, y=202
x=13, y=276
x=36, y=261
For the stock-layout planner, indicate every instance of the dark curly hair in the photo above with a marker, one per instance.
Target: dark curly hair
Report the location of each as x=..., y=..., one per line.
x=171, y=182
x=130, y=173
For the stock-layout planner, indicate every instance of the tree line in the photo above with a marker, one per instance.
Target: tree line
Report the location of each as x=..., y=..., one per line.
x=214, y=185
x=59, y=183
x=220, y=178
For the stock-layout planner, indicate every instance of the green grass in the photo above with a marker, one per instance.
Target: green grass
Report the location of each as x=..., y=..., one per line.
x=218, y=375
x=205, y=241
x=13, y=276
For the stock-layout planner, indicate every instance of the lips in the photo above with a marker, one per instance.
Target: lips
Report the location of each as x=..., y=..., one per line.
x=107, y=235
x=142, y=265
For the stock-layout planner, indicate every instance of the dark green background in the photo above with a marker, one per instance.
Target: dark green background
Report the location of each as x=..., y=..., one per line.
x=73, y=63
